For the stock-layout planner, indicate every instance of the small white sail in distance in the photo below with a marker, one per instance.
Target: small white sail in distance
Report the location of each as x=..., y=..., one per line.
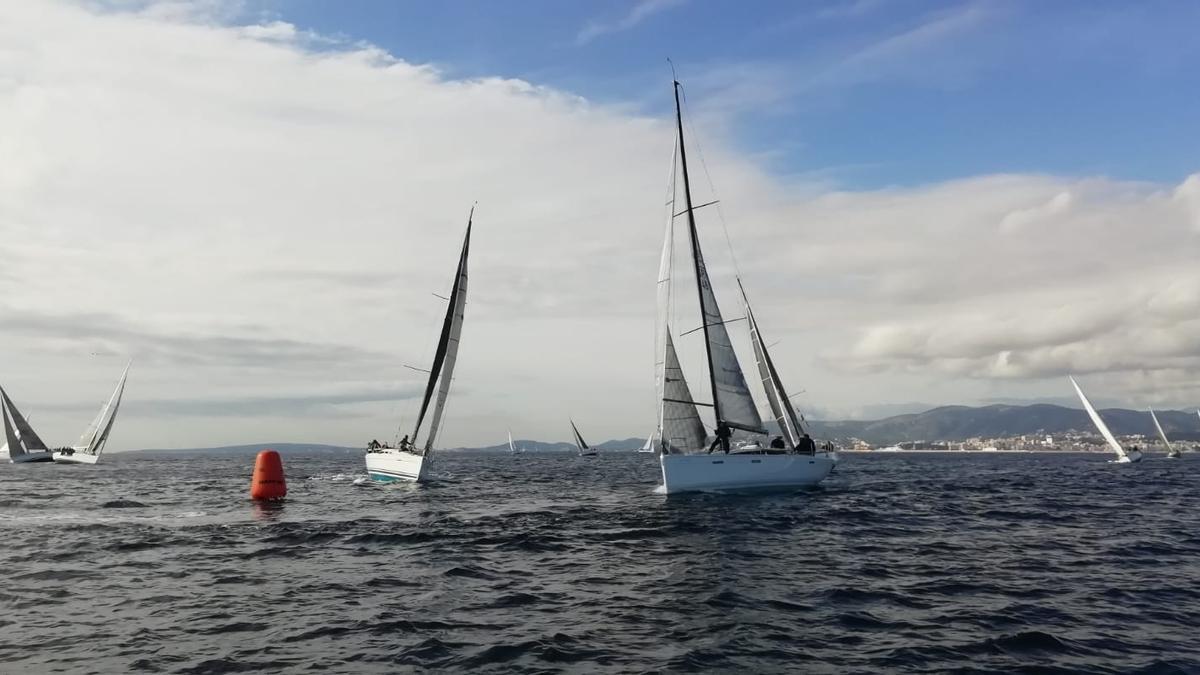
x=1087, y=405
x=1161, y=433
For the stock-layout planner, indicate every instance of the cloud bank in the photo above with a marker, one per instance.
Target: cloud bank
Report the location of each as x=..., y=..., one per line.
x=261, y=217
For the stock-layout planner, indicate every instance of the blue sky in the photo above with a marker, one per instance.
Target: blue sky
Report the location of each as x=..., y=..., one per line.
x=863, y=93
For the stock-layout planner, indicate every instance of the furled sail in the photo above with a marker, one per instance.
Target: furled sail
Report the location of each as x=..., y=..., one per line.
x=781, y=405
x=1087, y=405
x=29, y=439
x=447, y=349
x=682, y=429
x=732, y=401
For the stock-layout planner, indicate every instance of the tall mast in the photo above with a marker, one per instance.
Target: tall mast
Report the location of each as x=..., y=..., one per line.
x=701, y=278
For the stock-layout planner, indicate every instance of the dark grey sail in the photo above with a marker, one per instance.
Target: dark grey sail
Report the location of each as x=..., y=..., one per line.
x=681, y=427
x=447, y=350
x=15, y=449
x=781, y=405
x=579, y=438
x=29, y=439
x=732, y=402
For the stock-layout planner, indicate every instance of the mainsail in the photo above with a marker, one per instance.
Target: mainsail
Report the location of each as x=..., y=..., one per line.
x=1087, y=405
x=579, y=438
x=94, y=442
x=1161, y=433
x=732, y=402
x=447, y=349
x=27, y=437
x=781, y=405
x=511, y=448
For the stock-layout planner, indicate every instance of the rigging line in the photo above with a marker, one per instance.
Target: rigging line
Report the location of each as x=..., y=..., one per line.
x=711, y=186
x=698, y=207
x=719, y=323
x=419, y=370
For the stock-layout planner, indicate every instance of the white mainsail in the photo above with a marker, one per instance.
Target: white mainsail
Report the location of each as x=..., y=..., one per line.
x=1161, y=434
x=1087, y=405
x=511, y=448
x=94, y=443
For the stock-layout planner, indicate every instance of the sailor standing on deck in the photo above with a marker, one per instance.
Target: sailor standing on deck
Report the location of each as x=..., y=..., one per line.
x=723, y=433
x=807, y=446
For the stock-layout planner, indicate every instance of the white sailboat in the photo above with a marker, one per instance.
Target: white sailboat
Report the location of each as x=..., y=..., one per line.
x=408, y=461
x=648, y=447
x=685, y=464
x=512, y=448
x=1172, y=452
x=22, y=443
x=1123, y=456
x=95, y=437
x=584, y=449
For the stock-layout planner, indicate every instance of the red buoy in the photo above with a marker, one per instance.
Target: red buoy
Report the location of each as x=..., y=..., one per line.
x=267, y=482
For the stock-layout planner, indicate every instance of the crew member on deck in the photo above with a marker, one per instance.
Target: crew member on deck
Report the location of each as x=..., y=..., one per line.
x=404, y=444
x=807, y=446
x=777, y=443
x=723, y=432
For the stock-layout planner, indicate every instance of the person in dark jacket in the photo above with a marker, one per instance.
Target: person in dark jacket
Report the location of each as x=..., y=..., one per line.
x=807, y=446
x=777, y=443
x=723, y=433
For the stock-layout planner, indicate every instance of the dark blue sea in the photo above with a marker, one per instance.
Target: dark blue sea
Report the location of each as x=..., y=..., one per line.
x=922, y=563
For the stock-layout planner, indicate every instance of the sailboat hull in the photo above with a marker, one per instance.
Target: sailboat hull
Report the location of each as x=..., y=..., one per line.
x=31, y=457
x=1131, y=457
x=702, y=473
x=389, y=467
x=78, y=457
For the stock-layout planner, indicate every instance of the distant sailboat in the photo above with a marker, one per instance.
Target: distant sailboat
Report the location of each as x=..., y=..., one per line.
x=584, y=450
x=1123, y=456
x=685, y=465
x=1172, y=452
x=95, y=437
x=22, y=442
x=649, y=445
x=511, y=447
x=408, y=461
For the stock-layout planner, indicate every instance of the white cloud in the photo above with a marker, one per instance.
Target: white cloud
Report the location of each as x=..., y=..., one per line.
x=263, y=223
x=641, y=11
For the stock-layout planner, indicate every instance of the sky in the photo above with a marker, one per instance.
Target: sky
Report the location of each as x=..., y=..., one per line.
x=259, y=202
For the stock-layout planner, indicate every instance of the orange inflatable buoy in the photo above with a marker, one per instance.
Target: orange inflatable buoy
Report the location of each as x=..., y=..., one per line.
x=267, y=482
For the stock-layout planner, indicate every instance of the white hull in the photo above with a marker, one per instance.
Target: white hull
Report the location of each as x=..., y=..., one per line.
x=77, y=458
x=31, y=457
x=698, y=473
x=387, y=467
x=1132, y=457
x=589, y=453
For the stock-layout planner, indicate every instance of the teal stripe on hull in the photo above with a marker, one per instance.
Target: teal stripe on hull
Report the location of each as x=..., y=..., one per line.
x=390, y=477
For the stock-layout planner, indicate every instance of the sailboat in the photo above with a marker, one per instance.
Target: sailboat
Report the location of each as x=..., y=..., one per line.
x=649, y=445
x=584, y=450
x=407, y=461
x=685, y=464
x=1172, y=452
x=22, y=442
x=511, y=447
x=1123, y=456
x=95, y=437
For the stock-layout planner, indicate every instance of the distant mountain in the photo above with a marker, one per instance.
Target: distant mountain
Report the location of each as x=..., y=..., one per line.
x=956, y=422
x=945, y=423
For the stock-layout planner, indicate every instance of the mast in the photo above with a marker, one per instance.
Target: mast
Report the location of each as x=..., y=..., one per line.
x=446, y=351
x=701, y=274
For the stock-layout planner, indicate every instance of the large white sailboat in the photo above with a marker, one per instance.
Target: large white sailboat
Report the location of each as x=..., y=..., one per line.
x=1172, y=451
x=408, y=461
x=22, y=444
x=790, y=461
x=95, y=437
x=584, y=449
x=1123, y=456
x=512, y=447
